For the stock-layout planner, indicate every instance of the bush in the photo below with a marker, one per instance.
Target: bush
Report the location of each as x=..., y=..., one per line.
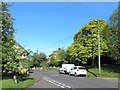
x=26, y=63
x=43, y=64
x=53, y=63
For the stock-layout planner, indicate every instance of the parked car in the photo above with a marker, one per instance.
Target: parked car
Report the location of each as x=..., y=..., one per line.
x=65, y=69
x=78, y=70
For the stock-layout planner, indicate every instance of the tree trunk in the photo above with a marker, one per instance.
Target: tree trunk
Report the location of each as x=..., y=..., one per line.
x=93, y=63
x=15, y=79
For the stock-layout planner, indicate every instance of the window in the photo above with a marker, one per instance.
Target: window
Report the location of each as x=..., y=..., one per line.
x=72, y=68
x=81, y=68
x=75, y=67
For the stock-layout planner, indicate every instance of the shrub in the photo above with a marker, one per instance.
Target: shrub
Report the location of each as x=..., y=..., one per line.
x=53, y=63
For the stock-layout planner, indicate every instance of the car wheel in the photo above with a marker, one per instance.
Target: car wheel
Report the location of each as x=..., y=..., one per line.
x=75, y=74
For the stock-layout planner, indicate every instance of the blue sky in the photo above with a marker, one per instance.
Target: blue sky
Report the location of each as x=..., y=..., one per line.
x=47, y=26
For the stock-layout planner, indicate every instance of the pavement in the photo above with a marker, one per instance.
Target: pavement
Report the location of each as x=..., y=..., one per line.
x=49, y=79
x=110, y=79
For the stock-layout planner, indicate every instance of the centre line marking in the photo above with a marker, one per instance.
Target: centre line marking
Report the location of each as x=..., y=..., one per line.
x=56, y=83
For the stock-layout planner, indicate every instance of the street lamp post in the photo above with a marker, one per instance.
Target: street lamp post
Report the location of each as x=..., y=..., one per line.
x=99, y=48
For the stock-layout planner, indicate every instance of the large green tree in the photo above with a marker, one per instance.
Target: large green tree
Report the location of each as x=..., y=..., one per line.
x=85, y=45
x=9, y=60
x=113, y=35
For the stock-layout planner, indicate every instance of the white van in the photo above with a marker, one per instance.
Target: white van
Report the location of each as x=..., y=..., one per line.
x=66, y=68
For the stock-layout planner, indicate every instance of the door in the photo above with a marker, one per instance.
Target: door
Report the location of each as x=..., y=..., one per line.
x=73, y=70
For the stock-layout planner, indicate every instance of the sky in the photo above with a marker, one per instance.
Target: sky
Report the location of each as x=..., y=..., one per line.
x=47, y=26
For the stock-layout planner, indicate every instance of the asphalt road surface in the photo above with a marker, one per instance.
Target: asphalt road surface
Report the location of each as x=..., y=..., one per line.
x=49, y=79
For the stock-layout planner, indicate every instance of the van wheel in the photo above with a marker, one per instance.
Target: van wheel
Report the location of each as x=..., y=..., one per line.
x=69, y=74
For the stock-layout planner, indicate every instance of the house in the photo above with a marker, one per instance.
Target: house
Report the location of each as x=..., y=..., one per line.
x=21, y=51
x=55, y=54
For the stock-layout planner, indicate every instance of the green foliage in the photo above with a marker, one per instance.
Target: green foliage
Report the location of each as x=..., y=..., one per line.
x=58, y=57
x=53, y=62
x=62, y=54
x=115, y=18
x=30, y=54
x=85, y=45
x=113, y=35
x=37, y=59
x=26, y=63
x=52, y=59
x=86, y=41
x=106, y=71
x=44, y=64
x=9, y=60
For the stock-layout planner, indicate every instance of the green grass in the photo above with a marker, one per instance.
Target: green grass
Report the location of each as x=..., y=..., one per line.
x=106, y=71
x=53, y=69
x=9, y=84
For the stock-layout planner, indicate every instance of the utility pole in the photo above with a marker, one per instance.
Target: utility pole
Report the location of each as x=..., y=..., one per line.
x=99, y=66
x=59, y=43
x=37, y=51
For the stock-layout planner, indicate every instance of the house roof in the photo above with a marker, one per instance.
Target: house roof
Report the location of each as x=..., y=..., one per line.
x=21, y=47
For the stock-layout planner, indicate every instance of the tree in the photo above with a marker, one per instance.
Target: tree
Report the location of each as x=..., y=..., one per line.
x=113, y=35
x=37, y=59
x=53, y=62
x=72, y=54
x=85, y=42
x=62, y=56
x=26, y=63
x=10, y=57
x=30, y=54
x=9, y=60
x=58, y=57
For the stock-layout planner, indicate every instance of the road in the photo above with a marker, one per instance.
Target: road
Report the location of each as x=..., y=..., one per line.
x=49, y=79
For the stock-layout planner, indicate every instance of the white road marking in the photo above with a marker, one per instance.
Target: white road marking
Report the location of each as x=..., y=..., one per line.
x=61, y=86
x=54, y=75
x=56, y=83
x=68, y=86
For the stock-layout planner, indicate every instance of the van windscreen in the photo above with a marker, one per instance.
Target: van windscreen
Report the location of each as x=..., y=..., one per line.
x=81, y=68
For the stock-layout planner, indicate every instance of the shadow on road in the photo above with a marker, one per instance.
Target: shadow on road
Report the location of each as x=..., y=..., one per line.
x=91, y=73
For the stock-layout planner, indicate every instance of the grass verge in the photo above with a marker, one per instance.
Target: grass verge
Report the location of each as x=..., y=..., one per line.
x=9, y=84
x=106, y=71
